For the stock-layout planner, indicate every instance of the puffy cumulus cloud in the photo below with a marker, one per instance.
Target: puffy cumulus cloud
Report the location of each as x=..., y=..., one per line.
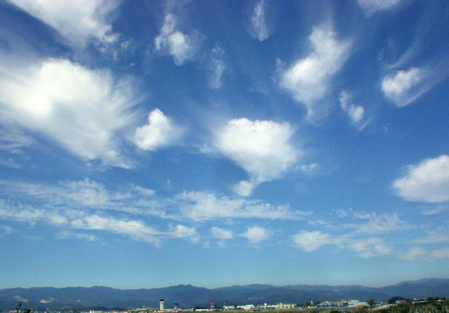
x=258, y=26
x=221, y=233
x=308, y=80
x=171, y=41
x=427, y=182
x=83, y=110
x=76, y=21
x=202, y=206
x=181, y=231
x=421, y=254
x=356, y=113
x=403, y=87
x=261, y=148
x=257, y=234
x=372, y=6
x=159, y=132
x=312, y=240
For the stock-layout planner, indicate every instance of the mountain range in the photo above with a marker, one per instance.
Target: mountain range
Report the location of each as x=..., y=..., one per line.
x=40, y=298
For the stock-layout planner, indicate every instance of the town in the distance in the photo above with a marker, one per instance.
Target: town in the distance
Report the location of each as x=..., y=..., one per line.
x=393, y=305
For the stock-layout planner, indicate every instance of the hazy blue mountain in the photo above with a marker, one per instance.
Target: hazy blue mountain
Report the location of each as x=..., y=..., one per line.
x=191, y=296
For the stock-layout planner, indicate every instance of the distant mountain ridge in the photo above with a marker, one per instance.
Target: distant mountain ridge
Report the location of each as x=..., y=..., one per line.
x=191, y=296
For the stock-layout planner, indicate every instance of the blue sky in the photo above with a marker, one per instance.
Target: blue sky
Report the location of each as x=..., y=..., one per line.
x=154, y=143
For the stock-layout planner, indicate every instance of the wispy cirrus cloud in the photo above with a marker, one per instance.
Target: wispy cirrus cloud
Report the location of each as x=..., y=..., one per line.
x=202, y=206
x=365, y=247
x=79, y=220
x=427, y=181
x=77, y=22
x=262, y=148
x=76, y=235
x=372, y=6
x=85, y=194
x=366, y=236
x=91, y=206
x=378, y=223
x=259, y=28
x=309, y=78
x=438, y=235
x=81, y=109
x=217, y=67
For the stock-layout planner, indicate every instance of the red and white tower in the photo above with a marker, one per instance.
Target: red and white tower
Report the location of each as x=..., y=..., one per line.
x=212, y=305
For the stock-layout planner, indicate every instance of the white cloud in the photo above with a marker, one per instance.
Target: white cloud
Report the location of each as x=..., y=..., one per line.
x=5, y=229
x=135, y=229
x=415, y=253
x=244, y=188
x=181, y=231
x=257, y=234
x=221, y=233
x=86, y=194
x=259, y=28
x=376, y=224
x=438, y=235
x=427, y=182
x=202, y=206
x=76, y=21
x=159, y=132
x=307, y=168
x=13, y=140
x=440, y=254
x=83, y=110
x=79, y=219
x=308, y=80
x=217, y=66
x=419, y=253
x=312, y=240
x=173, y=42
x=403, y=87
x=370, y=247
x=356, y=113
x=372, y=6
x=78, y=236
x=261, y=148
x=365, y=247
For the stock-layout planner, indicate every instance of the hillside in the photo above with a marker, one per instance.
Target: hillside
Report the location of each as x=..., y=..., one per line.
x=190, y=296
